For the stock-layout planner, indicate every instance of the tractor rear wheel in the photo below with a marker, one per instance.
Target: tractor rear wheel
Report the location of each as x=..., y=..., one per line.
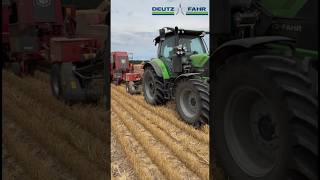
x=192, y=101
x=153, y=87
x=266, y=120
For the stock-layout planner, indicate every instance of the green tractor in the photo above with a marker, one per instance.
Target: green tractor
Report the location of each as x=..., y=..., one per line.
x=264, y=84
x=180, y=72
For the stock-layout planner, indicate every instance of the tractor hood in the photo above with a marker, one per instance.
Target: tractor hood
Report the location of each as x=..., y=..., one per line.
x=198, y=60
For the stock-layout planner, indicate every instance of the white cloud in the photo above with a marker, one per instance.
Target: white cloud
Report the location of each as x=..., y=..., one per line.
x=133, y=27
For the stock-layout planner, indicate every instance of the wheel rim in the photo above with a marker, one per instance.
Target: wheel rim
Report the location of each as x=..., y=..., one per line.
x=189, y=103
x=250, y=131
x=149, y=85
x=55, y=85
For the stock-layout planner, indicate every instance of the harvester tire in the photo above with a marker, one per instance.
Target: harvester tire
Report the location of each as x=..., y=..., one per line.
x=74, y=90
x=55, y=81
x=16, y=68
x=192, y=101
x=128, y=88
x=266, y=117
x=132, y=88
x=153, y=87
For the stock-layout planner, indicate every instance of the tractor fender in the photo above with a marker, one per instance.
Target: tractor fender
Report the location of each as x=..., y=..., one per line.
x=236, y=46
x=154, y=66
x=187, y=75
x=159, y=67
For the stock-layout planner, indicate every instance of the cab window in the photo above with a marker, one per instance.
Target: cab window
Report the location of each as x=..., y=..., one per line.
x=193, y=45
x=167, y=48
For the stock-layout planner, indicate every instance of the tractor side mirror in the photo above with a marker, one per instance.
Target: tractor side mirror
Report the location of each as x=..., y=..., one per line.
x=162, y=33
x=176, y=30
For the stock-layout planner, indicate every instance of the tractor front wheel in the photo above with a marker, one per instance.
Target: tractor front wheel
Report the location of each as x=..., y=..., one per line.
x=265, y=118
x=153, y=87
x=192, y=101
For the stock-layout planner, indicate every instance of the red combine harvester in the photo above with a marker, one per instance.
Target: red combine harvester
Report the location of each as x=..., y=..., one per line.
x=31, y=25
x=123, y=71
x=119, y=66
x=71, y=41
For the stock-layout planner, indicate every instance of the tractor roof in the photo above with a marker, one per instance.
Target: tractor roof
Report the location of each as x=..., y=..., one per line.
x=181, y=32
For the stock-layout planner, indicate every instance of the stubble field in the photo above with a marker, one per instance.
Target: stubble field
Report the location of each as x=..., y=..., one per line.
x=45, y=139
x=157, y=143
x=43, y=136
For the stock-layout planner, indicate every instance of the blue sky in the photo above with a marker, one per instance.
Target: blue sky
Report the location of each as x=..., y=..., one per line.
x=133, y=27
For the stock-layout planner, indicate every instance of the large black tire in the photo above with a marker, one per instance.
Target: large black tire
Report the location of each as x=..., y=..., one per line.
x=153, y=87
x=75, y=89
x=192, y=101
x=266, y=121
x=69, y=88
x=55, y=81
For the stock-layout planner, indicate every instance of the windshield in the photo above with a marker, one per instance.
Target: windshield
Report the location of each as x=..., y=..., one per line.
x=193, y=45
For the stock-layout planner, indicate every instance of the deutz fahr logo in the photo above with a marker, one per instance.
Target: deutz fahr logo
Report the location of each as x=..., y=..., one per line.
x=42, y=3
x=197, y=11
x=191, y=10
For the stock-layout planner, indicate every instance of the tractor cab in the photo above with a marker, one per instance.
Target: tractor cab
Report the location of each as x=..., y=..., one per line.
x=182, y=49
x=179, y=73
x=192, y=42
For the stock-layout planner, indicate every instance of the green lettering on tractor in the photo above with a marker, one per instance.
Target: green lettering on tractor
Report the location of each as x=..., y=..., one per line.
x=198, y=60
x=164, y=70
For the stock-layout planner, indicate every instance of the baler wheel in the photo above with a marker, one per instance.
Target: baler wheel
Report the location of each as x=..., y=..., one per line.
x=131, y=88
x=127, y=87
